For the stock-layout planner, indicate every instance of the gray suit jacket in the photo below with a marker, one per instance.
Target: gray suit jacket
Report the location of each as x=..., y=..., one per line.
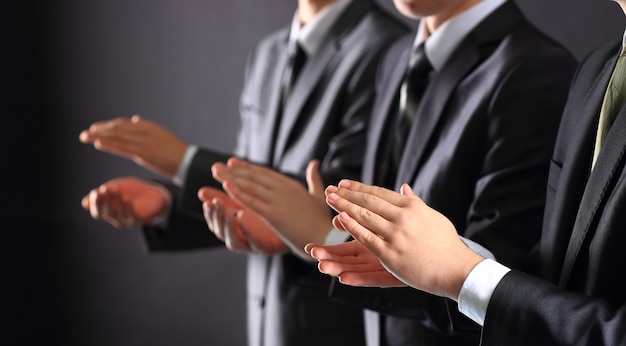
x=325, y=118
x=478, y=151
x=582, y=299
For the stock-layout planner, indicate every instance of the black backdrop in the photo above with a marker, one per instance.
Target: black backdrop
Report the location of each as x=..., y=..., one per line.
x=68, y=280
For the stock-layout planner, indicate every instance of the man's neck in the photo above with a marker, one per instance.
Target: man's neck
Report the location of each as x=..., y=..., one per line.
x=308, y=9
x=622, y=4
x=434, y=21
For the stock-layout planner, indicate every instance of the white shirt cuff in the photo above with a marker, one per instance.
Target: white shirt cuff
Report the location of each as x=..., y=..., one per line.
x=478, y=289
x=160, y=221
x=335, y=237
x=179, y=178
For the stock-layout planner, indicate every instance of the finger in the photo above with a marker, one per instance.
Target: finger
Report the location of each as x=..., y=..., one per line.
x=371, y=240
x=115, y=136
x=208, y=193
x=380, y=278
x=314, y=179
x=219, y=171
x=104, y=128
x=368, y=210
x=337, y=225
x=242, y=170
x=337, y=267
x=111, y=208
x=126, y=214
x=251, y=196
x=93, y=204
x=347, y=249
x=206, y=212
x=136, y=118
x=234, y=239
x=319, y=252
x=85, y=137
x=217, y=218
x=406, y=190
x=84, y=202
x=355, y=188
x=308, y=247
x=208, y=209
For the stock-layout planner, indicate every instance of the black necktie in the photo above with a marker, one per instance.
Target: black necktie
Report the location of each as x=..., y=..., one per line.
x=297, y=58
x=411, y=92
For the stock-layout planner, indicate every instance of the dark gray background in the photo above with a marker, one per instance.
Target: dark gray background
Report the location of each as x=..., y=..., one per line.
x=69, y=280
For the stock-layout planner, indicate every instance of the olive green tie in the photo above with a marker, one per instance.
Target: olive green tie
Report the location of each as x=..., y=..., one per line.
x=614, y=99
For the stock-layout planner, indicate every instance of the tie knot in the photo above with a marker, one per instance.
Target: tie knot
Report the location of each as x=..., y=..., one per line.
x=418, y=61
x=295, y=51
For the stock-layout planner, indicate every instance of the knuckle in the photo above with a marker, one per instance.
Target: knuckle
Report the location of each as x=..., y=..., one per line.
x=365, y=214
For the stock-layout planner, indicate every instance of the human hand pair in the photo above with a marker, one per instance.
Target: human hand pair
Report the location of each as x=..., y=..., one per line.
x=416, y=244
x=241, y=229
x=147, y=143
x=297, y=214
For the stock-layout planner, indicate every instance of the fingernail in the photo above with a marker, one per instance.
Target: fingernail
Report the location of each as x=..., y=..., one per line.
x=333, y=196
x=344, y=183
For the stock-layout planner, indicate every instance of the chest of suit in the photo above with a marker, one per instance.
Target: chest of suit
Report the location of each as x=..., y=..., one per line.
x=289, y=133
x=448, y=136
x=584, y=223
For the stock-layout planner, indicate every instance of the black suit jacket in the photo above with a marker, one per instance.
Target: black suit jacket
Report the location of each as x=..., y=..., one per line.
x=478, y=151
x=582, y=299
x=324, y=118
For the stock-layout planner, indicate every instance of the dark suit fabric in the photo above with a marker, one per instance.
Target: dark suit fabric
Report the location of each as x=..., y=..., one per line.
x=478, y=151
x=324, y=118
x=581, y=300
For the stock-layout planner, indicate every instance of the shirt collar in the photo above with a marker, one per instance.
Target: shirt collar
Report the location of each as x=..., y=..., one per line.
x=311, y=35
x=440, y=44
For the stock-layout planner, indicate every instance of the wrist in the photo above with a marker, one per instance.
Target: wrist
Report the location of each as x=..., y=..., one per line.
x=464, y=264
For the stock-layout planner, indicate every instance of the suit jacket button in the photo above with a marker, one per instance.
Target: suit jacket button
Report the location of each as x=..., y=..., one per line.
x=260, y=300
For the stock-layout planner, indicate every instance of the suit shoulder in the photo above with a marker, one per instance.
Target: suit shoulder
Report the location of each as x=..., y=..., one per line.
x=277, y=36
x=269, y=43
x=526, y=43
x=597, y=57
x=377, y=22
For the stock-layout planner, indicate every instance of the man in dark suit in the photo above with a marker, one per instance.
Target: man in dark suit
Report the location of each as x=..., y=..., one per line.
x=477, y=149
x=580, y=296
x=323, y=116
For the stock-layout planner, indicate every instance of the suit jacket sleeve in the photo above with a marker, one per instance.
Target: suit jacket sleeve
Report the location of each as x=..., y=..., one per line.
x=186, y=228
x=525, y=310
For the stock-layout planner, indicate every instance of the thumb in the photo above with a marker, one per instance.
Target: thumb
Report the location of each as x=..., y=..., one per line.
x=314, y=180
x=406, y=190
x=85, y=202
x=135, y=119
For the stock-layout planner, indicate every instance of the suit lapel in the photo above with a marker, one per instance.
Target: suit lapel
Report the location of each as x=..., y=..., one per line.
x=578, y=127
x=305, y=84
x=382, y=126
x=271, y=124
x=442, y=86
x=593, y=198
x=325, y=59
x=429, y=113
